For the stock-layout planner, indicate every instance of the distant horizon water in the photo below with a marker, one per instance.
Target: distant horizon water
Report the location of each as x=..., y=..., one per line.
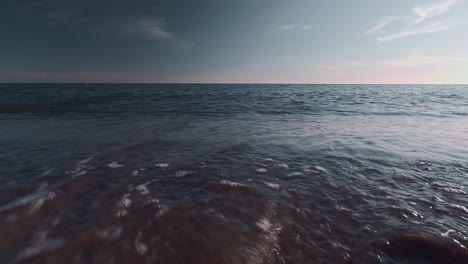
x=238, y=83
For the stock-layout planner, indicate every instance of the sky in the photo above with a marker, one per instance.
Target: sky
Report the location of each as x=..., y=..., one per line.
x=234, y=41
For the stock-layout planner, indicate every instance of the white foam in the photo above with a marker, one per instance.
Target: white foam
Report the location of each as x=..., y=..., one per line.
x=459, y=207
x=232, y=184
x=79, y=173
x=162, y=210
x=273, y=185
x=110, y=233
x=121, y=213
x=181, y=174
x=80, y=168
x=446, y=234
x=47, y=172
x=293, y=174
x=142, y=189
x=162, y=165
x=140, y=247
x=126, y=202
x=266, y=245
x=454, y=190
x=82, y=162
x=261, y=170
x=320, y=169
x=416, y=214
x=42, y=244
x=284, y=166
x=264, y=224
x=135, y=173
x=114, y=165
x=37, y=204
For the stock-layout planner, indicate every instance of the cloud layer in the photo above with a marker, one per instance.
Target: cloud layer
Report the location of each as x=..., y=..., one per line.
x=422, y=22
x=118, y=17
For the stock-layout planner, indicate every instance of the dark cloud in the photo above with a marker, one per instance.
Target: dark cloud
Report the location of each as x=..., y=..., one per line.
x=139, y=19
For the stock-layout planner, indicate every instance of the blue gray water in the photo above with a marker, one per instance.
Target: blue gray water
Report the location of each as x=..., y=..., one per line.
x=143, y=173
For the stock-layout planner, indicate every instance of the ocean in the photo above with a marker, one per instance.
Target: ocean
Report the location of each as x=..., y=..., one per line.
x=192, y=173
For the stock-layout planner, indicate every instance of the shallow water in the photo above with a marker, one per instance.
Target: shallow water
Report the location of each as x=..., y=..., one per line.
x=229, y=173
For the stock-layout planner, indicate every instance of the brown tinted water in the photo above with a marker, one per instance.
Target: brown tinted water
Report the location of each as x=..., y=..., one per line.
x=233, y=174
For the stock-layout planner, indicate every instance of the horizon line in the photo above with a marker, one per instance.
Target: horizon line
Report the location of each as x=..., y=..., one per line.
x=232, y=83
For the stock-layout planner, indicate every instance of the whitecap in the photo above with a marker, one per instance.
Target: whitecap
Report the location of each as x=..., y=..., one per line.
x=135, y=173
x=162, y=210
x=80, y=168
x=454, y=190
x=126, y=202
x=320, y=169
x=37, y=204
x=140, y=247
x=110, y=233
x=232, y=184
x=261, y=170
x=121, y=213
x=181, y=174
x=416, y=214
x=47, y=172
x=162, y=165
x=293, y=174
x=272, y=185
x=266, y=245
x=36, y=199
x=142, y=189
x=84, y=161
x=114, y=165
x=283, y=166
x=307, y=169
x=39, y=246
x=79, y=173
x=264, y=224
x=459, y=207
x=446, y=234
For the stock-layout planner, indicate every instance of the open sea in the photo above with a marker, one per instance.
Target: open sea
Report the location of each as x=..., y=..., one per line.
x=207, y=174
